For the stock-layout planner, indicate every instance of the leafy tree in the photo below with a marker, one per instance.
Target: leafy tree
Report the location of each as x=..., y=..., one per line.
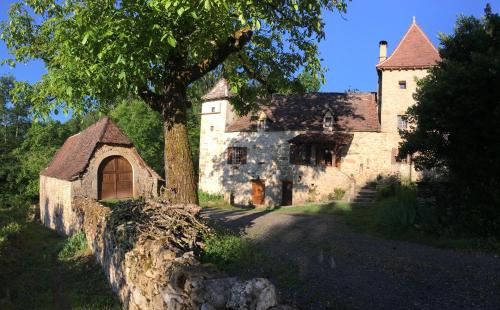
x=455, y=123
x=35, y=152
x=14, y=118
x=14, y=121
x=144, y=127
x=97, y=51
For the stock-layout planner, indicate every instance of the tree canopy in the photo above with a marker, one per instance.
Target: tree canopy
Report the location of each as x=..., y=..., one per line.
x=455, y=122
x=98, y=51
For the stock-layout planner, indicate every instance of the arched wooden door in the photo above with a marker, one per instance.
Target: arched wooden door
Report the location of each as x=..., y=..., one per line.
x=115, y=178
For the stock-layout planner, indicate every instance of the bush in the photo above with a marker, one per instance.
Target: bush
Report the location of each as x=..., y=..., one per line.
x=207, y=197
x=75, y=245
x=338, y=194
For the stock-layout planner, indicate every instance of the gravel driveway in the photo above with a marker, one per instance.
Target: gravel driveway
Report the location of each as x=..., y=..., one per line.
x=342, y=269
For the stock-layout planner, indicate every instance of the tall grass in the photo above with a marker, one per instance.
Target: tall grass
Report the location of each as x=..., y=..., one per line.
x=238, y=256
x=74, y=246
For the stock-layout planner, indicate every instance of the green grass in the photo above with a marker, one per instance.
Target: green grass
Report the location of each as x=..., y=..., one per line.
x=238, y=256
x=393, y=218
x=217, y=201
x=41, y=270
x=380, y=221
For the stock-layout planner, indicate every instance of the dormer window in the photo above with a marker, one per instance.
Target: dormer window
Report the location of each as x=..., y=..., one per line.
x=261, y=122
x=328, y=121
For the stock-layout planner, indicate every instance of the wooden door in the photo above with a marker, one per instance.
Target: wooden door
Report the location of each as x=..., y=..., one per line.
x=286, y=193
x=115, y=178
x=258, y=192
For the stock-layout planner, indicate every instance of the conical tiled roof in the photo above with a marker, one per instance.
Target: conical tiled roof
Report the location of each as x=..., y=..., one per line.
x=73, y=157
x=219, y=91
x=415, y=50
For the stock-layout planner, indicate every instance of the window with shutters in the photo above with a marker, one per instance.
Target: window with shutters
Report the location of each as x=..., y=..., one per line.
x=236, y=155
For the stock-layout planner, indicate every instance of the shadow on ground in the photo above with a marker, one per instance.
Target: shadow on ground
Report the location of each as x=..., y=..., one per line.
x=32, y=276
x=342, y=269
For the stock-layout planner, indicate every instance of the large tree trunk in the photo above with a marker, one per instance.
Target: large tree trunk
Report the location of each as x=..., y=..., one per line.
x=181, y=183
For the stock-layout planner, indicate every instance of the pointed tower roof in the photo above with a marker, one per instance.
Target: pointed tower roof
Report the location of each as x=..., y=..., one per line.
x=72, y=158
x=415, y=50
x=219, y=91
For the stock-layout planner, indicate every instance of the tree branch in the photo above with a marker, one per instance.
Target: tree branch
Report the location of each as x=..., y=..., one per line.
x=255, y=75
x=233, y=44
x=152, y=99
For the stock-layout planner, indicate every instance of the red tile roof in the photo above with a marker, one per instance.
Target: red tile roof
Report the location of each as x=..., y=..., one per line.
x=352, y=112
x=415, y=50
x=219, y=91
x=72, y=158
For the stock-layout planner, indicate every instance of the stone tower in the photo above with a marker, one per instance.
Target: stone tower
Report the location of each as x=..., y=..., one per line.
x=216, y=113
x=409, y=61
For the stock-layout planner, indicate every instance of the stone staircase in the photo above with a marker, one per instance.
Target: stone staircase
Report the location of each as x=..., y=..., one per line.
x=366, y=194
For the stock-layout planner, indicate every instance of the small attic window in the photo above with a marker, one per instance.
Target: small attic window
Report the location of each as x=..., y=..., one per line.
x=402, y=84
x=261, y=122
x=213, y=109
x=328, y=120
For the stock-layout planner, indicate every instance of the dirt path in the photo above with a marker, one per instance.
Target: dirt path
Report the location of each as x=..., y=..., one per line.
x=343, y=269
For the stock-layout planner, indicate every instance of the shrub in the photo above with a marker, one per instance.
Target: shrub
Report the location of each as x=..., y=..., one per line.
x=338, y=194
x=75, y=245
x=207, y=197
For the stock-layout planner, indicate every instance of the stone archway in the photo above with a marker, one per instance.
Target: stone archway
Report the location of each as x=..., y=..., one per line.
x=115, y=178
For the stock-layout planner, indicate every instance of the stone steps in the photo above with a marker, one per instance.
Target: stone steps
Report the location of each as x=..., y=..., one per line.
x=365, y=194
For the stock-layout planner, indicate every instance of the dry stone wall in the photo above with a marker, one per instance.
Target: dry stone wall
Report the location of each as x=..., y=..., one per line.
x=150, y=271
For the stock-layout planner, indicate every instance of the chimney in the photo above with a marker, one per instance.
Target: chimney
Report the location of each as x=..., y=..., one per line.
x=383, y=51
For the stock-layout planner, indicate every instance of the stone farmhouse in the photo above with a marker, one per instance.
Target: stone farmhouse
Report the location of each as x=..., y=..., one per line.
x=99, y=163
x=302, y=148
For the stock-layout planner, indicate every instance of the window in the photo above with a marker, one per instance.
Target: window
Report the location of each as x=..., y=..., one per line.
x=261, y=125
x=328, y=120
x=402, y=84
x=402, y=122
x=211, y=128
x=324, y=155
x=213, y=110
x=316, y=154
x=236, y=155
x=396, y=160
x=300, y=154
x=261, y=121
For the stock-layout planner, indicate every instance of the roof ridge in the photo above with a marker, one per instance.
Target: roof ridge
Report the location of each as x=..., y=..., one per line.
x=412, y=51
x=104, y=127
x=426, y=37
x=414, y=23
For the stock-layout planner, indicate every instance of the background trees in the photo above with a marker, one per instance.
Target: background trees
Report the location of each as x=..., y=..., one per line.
x=455, y=124
x=97, y=51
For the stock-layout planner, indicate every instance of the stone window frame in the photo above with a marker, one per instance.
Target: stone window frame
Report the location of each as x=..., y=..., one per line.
x=236, y=155
x=328, y=120
x=402, y=121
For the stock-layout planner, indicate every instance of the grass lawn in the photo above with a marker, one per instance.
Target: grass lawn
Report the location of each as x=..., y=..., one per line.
x=41, y=270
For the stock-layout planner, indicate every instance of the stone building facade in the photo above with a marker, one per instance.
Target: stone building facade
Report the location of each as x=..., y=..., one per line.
x=302, y=148
x=98, y=163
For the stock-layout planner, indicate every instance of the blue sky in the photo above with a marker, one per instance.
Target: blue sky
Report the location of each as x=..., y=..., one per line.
x=350, y=50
